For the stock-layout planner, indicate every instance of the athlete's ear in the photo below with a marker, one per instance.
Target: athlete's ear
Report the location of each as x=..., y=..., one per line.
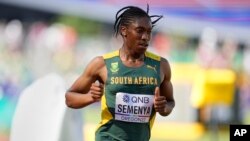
x=124, y=31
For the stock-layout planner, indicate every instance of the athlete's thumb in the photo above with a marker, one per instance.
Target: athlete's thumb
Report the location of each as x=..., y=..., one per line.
x=157, y=92
x=101, y=85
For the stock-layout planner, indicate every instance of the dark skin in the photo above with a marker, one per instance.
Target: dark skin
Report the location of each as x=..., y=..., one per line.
x=136, y=37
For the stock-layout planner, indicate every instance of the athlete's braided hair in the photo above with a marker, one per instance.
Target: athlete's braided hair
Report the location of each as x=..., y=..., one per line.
x=127, y=14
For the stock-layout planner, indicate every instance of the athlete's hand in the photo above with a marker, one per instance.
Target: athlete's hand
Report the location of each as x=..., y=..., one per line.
x=96, y=90
x=159, y=101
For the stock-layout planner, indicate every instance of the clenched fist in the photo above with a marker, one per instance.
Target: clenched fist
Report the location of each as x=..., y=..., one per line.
x=96, y=90
x=159, y=101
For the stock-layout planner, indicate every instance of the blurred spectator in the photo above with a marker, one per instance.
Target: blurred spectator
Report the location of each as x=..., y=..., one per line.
x=213, y=56
x=14, y=35
x=207, y=47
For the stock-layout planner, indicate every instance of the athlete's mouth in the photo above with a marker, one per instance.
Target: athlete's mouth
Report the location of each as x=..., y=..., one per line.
x=143, y=45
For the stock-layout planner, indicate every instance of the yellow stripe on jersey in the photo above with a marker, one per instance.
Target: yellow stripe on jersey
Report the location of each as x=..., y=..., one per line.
x=106, y=115
x=153, y=56
x=111, y=54
x=152, y=121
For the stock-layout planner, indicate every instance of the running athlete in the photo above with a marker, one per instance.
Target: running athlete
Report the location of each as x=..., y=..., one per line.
x=134, y=84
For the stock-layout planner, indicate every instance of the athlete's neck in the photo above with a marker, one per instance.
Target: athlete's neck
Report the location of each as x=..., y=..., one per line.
x=129, y=56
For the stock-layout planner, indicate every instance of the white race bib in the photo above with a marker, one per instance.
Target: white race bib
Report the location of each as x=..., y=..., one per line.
x=133, y=107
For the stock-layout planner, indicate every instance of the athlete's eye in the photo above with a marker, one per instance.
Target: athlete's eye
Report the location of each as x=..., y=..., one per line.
x=149, y=32
x=139, y=30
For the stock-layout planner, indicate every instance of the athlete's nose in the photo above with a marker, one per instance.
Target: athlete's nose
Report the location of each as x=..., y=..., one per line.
x=146, y=36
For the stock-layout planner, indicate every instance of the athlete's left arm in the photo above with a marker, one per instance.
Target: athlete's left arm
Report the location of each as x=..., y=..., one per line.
x=164, y=103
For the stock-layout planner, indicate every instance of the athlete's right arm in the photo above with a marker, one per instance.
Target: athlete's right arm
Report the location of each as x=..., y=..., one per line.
x=83, y=91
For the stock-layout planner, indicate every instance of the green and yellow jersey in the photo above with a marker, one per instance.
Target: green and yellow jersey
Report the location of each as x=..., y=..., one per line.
x=127, y=104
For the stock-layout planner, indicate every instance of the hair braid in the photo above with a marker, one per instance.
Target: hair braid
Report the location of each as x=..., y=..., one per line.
x=127, y=14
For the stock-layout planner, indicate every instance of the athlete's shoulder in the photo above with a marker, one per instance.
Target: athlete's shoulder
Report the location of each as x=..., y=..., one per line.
x=111, y=54
x=152, y=56
x=97, y=61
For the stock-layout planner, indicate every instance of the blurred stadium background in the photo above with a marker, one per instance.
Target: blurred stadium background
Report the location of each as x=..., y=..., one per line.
x=206, y=42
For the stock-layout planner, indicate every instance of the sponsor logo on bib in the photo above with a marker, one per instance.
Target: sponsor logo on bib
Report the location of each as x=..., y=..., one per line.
x=133, y=107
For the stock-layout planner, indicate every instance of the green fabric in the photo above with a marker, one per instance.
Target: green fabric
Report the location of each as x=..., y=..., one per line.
x=139, y=81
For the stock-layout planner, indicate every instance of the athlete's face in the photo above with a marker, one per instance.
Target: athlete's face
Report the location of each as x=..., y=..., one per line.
x=138, y=34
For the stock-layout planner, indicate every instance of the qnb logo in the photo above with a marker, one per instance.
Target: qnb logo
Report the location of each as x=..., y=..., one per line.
x=125, y=98
x=135, y=99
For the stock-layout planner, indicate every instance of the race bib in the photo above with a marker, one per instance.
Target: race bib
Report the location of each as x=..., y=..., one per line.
x=133, y=107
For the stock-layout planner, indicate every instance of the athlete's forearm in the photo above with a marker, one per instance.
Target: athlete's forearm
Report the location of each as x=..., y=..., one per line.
x=78, y=100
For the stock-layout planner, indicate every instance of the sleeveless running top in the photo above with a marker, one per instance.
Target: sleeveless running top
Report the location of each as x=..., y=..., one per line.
x=127, y=103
